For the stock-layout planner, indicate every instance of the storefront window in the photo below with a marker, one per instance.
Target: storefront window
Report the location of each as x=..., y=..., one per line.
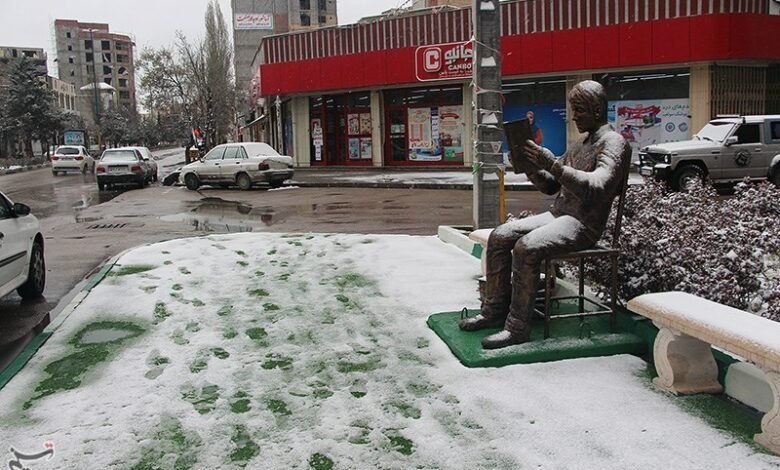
x=341, y=129
x=649, y=107
x=424, y=125
x=543, y=103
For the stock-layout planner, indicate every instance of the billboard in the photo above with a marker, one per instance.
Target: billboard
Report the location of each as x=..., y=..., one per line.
x=649, y=122
x=444, y=61
x=254, y=21
x=74, y=137
x=548, y=124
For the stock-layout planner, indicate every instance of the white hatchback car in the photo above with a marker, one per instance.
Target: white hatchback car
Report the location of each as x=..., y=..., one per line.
x=70, y=158
x=241, y=163
x=22, y=266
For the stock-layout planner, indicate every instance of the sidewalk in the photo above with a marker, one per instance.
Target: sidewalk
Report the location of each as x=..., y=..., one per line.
x=312, y=349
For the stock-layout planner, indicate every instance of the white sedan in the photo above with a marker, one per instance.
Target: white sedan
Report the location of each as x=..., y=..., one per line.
x=71, y=157
x=149, y=160
x=243, y=164
x=22, y=266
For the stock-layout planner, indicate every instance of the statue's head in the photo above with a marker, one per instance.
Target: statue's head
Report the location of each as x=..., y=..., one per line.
x=589, y=105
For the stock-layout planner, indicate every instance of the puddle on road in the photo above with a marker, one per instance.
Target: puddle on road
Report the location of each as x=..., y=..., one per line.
x=105, y=336
x=219, y=215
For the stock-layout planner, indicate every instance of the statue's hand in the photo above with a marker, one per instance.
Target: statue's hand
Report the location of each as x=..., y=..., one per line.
x=538, y=155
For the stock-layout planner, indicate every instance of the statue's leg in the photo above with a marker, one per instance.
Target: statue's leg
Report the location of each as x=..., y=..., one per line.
x=561, y=235
x=498, y=287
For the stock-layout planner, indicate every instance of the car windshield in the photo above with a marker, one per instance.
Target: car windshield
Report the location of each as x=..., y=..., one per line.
x=715, y=131
x=119, y=156
x=68, y=151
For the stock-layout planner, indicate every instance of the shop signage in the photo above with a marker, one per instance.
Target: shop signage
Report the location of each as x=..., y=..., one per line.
x=648, y=122
x=254, y=20
x=444, y=61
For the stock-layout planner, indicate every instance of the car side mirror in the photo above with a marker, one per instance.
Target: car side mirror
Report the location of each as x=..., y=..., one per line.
x=21, y=209
x=146, y=159
x=732, y=140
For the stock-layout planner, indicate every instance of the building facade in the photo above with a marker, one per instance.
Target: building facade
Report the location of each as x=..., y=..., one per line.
x=397, y=90
x=89, y=53
x=253, y=20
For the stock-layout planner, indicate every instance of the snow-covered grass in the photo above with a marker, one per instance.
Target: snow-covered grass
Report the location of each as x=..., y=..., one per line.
x=442, y=177
x=311, y=351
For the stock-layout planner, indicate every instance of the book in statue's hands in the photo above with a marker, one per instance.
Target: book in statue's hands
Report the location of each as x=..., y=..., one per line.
x=517, y=133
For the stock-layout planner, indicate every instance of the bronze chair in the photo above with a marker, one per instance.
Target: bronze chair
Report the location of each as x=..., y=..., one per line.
x=599, y=251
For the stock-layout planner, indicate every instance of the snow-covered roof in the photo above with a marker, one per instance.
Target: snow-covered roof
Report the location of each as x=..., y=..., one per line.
x=101, y=86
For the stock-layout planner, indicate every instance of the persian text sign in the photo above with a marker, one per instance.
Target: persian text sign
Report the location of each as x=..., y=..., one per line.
x=444, y=61
x=254, y=20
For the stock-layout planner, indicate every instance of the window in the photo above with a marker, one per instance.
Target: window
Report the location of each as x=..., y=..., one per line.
x=70, y=48
x=105, y=45
x=90, y=68
x=121, y=58
x=29, y=54
x=775, y=130
x=90, y=57
x=748, y=134
x=231, y=153
x=120, y=46
x=123, y=83
x=107, y=70
x=305, y=5
x=215, y=154
x=305, y=20
x=70, y=60
x=124, y=95
x=88, y=44
x=5, y=209
x=72, y=73
x=323, y=20
x=14, y=53
x=107, y=80
x=106, y=57
x=665, y=84
x=122, y=71
x=67, y=34
x=323, y=5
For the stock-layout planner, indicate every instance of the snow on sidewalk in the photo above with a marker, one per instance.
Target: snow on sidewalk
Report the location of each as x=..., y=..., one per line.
x=442, y=177
x=272, y=351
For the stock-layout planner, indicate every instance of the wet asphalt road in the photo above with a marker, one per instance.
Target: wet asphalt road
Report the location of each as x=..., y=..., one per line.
x=83, y=227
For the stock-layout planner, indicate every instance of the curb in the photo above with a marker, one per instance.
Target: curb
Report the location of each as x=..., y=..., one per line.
x=365, y=184
x=24, y=168
x=40, y=339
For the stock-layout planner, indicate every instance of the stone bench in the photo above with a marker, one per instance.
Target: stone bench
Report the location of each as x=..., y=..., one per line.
x=689, y=326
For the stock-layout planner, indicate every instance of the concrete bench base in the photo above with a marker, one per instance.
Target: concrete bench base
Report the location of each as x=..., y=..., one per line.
x=770, y=423
x=685, y=365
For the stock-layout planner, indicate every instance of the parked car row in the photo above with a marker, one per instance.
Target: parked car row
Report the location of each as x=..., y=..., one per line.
x=124, y=165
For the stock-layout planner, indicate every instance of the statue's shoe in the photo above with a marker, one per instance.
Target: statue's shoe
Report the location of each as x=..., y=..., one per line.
x=503, y=339
x=479, y=323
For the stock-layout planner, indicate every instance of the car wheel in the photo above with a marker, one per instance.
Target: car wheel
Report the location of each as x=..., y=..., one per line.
x=191, y=182
x=84, y=169
x=155, y=177
x=54, y=173
x=244, y=182
x=686, y=176
x=36, y=275
x=101, y=186
x=775, y=179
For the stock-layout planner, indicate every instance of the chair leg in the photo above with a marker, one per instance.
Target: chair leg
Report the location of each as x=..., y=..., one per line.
x=613, y=294
x=581, y=299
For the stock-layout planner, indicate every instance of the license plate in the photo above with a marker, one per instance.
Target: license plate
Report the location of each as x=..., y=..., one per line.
x=646, y=171
x=117, y=169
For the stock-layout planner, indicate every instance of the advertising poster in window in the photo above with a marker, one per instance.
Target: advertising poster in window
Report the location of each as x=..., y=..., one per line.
x=422, y=146
x=353, y=124
x=354, y=148
x=451, y=132
x=648, y=122
x=317, y=138
x=365, y=124
x=548, y=125
x=366, y=152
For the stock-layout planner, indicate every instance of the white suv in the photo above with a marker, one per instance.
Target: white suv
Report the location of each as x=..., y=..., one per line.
x=71, y=157
x=22, y=266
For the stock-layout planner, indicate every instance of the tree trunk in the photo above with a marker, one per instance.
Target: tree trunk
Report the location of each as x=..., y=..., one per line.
x=28, y=150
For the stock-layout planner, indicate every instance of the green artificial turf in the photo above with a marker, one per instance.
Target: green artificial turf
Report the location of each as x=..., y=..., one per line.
x=569, y=338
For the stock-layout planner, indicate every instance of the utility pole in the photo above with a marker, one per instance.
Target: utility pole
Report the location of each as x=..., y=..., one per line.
x=488, y=157
x=95, y=87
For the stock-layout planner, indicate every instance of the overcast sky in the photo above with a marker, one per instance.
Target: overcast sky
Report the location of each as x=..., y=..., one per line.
x=28, y=23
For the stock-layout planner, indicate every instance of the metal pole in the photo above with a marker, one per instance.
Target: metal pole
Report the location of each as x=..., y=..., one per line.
x=94, y=87
x=488, y=158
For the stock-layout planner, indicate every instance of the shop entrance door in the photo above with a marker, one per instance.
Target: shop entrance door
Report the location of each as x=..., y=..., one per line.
x=397, y=141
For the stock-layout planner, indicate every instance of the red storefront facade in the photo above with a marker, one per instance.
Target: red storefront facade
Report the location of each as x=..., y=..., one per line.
x=570, y=39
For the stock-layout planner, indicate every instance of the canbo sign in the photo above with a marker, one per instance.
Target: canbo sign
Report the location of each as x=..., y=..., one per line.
x=444, y=61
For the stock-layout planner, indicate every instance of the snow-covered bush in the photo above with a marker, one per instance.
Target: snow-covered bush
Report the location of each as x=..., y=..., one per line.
x=723, y=249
